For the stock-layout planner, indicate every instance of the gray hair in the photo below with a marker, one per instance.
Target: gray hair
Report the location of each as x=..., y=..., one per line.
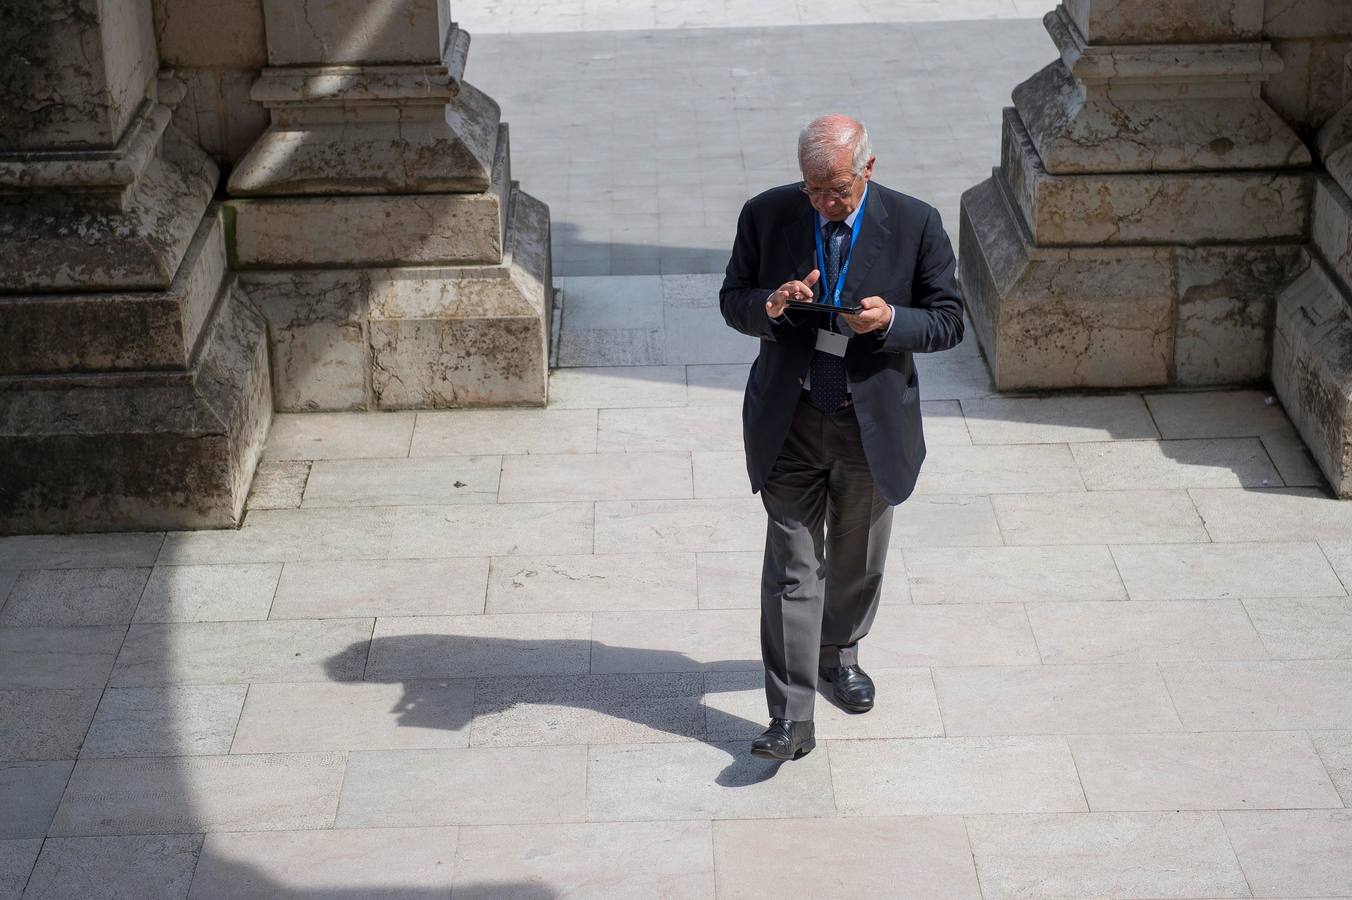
x=822, y=140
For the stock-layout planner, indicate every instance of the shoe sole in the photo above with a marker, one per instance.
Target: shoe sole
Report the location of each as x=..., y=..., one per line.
x=803, y=750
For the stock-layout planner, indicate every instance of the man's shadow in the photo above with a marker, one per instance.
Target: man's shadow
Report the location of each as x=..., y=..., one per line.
x=513, y=682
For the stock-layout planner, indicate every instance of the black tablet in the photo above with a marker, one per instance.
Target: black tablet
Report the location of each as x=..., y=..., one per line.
x=823, y=307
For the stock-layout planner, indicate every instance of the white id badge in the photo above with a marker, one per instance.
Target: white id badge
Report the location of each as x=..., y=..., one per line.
x=832, y=343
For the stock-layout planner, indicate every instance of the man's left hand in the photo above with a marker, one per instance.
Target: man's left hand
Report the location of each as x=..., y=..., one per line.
x=876, y=316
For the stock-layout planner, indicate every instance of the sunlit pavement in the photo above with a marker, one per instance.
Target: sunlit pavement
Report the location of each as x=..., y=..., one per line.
x=515, y=652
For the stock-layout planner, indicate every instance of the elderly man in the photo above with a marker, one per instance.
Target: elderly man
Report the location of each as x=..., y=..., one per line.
x=831, y=416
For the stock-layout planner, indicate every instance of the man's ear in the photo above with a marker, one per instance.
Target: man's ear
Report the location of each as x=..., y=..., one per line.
x=868, y=167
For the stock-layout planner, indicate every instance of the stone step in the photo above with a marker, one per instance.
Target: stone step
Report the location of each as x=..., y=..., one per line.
x=123, y=331
x=1057, y=317
x=409, y=229
x=140, y=450
x=122, y=220
x=383, y=337
x=1116, y=209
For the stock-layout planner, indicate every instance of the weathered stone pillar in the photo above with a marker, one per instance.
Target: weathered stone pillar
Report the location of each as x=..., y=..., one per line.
x=215, y=47
x=133, y=380
x=375, y=221
x=1312, y=344
x=1148, y=207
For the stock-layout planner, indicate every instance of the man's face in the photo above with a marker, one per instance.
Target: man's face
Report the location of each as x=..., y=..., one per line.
x=836, y=193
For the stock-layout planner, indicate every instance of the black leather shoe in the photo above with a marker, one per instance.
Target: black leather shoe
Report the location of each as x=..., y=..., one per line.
x=853, y=689
x=785, y=739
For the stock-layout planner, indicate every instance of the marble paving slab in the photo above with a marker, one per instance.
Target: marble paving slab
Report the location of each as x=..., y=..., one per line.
x=79, y=551
x=1297, y=852
x=582, y=583
x=16, y=864
x=588, y=709
x=954, y=776
x=596, y=476
x=1144, y=631
x=339, y=435
x=1064, y=699
x=660, y=859
x=166, y=795
x=242, y=652
x=419, y=647
x=430, y=532
x=488, y=432
x=1214, y=770
x=384, y=862
x=637, y=782
x=439, y=481
x=369, y=588
x=1154, y=854
x=29, y=794
x=1171, y=464
x=478, y=786
x=1286, y=514
x=221, y=593
x=1107, y=517
x=72, y=597
x=1277, y=695
x=45, y=724
x=180, y=720
x=154, y=866
x=936, y=860
x=1061, y=419
x=1250, y=569
x=413, y=715
x=54, y=658
x=1012, y=574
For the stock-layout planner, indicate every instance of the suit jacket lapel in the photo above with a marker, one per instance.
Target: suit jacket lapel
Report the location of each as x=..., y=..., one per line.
x=800, y=243
x=872, y=238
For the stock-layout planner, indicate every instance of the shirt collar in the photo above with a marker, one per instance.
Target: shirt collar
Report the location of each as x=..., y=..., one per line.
x=849, y=220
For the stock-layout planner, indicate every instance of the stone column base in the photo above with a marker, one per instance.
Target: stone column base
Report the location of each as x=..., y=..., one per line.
x=1312, y=340
x=415, y=336
x=1312, y=370
x=1114, y=317
x=144, y=450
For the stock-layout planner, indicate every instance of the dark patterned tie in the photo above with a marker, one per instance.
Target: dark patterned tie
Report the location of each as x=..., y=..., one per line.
x=828, y=388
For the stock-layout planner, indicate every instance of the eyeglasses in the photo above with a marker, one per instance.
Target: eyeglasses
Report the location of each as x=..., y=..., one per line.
x=834, y=193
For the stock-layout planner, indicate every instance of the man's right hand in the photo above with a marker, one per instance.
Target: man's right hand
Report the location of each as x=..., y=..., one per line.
x=790, y=290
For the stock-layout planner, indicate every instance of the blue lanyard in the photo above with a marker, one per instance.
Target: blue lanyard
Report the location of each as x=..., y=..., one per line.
x=845, y=265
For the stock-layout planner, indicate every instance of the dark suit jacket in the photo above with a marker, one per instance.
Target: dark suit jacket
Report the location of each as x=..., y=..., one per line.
x=903, y=256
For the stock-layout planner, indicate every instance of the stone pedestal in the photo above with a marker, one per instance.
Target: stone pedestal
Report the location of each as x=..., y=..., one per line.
x=1148, y=208
x=1312, y=37
x=215, y=47
x=376, y=224
x=133, y=376
x=1312, y=345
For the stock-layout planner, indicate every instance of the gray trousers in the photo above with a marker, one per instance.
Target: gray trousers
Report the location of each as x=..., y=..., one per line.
x=825, y=547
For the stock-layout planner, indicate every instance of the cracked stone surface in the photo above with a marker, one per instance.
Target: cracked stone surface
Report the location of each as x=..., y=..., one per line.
x=82, y=68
